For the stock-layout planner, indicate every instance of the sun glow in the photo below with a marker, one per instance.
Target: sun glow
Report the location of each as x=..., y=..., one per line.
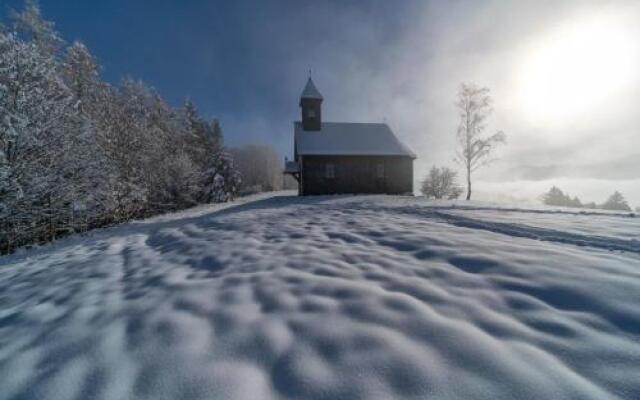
x=578, y=69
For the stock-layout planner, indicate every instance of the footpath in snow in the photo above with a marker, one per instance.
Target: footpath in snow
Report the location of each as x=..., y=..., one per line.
x=336, y=297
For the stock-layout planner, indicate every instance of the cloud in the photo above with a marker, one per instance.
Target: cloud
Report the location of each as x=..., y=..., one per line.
x=402, y=62
x=618, y=169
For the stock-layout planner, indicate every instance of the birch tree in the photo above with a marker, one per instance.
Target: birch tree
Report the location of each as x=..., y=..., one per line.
x=474, y=144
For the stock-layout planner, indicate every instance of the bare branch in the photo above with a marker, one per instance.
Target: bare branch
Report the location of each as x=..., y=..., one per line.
x=474, y=148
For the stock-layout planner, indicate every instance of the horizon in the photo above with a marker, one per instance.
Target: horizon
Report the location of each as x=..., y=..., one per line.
x=562, y=77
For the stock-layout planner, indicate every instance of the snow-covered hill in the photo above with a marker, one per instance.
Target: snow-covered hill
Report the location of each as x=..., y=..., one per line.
x=329, y=298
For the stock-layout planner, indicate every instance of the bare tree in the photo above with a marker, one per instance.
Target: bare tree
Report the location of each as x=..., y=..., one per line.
x=474, y=146
x=260, y=167
x=441, y=183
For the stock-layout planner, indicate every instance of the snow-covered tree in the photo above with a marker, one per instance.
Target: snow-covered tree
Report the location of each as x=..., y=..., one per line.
x=44, y=139
x=575, y=202
x=197, y=136
x=76, y=152
x=556, y=197
x=80, y=72
x=616, y=202
x=474, y=146
x=82, y=75
x=222, y=179
x=441, y=183
x=33, y=28
x=212, y=174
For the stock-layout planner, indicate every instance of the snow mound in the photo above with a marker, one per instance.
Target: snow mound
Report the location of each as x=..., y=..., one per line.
x=329, y=298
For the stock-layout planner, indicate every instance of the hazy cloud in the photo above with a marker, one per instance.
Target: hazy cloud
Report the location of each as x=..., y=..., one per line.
x=403, y=61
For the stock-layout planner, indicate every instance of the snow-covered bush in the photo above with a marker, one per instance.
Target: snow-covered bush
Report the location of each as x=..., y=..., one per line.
x=441, y=183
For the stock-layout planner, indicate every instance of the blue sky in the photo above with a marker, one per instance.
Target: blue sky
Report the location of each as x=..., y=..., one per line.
x=559, y=73
x=244, y=62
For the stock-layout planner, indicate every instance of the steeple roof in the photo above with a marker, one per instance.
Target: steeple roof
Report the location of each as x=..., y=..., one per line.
x=310, y=91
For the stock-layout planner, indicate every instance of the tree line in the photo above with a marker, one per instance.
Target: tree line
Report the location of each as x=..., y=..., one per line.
x=77, y=152
x=556, y=197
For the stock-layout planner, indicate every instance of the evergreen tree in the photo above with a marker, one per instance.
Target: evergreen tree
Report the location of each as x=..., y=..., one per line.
x=196, y=139
x=554, y=197
x=575, y=202
x=616, y=202
x=223, y=179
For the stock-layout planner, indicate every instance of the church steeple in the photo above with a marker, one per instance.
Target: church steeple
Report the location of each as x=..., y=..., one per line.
x=311, y=106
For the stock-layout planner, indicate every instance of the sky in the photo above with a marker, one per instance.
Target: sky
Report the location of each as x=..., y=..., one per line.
x=564, y=75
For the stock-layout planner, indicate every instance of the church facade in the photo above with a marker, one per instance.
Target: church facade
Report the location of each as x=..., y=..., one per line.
x=344, y=157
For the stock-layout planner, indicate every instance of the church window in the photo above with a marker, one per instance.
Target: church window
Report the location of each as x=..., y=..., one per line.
x=330, y=171
x=380, y=171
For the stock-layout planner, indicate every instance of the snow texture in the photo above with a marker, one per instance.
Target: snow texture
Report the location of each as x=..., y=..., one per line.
x=334, y=297
x=349, y=138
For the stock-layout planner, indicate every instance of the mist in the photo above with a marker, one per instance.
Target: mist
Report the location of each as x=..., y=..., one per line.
x=404, y=63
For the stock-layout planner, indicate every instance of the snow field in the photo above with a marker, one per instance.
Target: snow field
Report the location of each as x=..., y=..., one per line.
x=328, y=298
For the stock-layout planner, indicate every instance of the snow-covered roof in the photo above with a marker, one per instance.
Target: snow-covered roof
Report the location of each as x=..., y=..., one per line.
x=310, y=91
x=347, y=138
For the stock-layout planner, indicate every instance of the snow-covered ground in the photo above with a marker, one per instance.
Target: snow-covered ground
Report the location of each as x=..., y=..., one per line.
x=329, y=298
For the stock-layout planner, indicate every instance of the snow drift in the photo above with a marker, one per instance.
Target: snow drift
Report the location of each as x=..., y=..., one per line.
x=329, y=298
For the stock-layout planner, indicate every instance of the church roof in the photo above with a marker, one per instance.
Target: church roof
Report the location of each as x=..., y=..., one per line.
x=353, y=139
x=310, y=91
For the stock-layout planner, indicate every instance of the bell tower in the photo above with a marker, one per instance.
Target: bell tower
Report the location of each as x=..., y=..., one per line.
x=311, y=106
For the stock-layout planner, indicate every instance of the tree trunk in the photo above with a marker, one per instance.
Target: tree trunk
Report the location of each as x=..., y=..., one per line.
x=468, y=183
